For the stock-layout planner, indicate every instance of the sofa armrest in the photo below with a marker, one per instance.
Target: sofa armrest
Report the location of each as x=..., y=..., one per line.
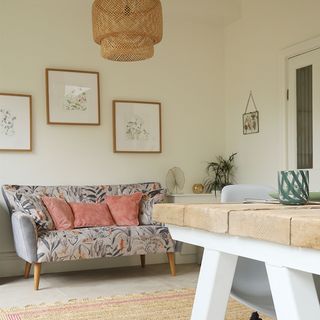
x=25, y=236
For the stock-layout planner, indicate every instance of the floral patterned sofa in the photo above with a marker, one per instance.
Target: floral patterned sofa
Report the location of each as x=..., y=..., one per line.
x=37, y=241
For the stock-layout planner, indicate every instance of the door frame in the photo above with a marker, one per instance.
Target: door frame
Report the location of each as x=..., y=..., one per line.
x=285, y=54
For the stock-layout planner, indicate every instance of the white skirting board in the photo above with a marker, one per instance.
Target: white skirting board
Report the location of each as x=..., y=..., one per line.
x=12, y=265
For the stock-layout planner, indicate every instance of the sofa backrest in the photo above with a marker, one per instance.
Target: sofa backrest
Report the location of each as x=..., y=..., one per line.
x=28, y=198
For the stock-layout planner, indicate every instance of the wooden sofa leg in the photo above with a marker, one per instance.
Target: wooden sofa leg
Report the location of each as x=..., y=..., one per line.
x=37, y=271
x=27, y=268
x=143, y=260
x=172, y=263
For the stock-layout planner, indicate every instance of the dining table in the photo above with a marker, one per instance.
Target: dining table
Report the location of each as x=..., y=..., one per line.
x=286, y=238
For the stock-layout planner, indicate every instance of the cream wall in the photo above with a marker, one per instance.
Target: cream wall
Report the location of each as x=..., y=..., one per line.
x=186, y=76
x=253, y=46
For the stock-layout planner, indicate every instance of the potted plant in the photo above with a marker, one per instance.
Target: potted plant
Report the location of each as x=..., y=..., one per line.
x=220, y=173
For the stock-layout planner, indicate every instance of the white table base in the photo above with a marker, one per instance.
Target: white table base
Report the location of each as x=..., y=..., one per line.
x=293, y=293
x=289, y=270
x=211, y=300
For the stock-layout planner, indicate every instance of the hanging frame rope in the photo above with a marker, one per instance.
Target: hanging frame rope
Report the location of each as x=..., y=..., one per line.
x=254, y=103
x=250, y=120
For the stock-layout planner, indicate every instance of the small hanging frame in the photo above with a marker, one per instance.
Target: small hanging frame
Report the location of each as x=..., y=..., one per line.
x=250, y=120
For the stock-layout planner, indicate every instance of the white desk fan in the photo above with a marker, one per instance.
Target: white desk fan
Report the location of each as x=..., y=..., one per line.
x=175, y=180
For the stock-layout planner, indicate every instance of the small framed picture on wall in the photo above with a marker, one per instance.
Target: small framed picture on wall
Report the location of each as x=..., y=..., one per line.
x=250, y=122
x=136, y=127
x=15, y=122
x=72, y=97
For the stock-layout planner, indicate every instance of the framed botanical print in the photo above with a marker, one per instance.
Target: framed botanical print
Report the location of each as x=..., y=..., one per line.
x=250, y=122
x=136, y=126
x=15, y=122
x=72, y=97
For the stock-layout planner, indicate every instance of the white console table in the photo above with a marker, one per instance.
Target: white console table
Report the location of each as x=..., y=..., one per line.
x=193, y=198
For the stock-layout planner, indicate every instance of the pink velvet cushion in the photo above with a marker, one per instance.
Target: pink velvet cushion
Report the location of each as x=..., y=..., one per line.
x=60, y=212
x=125, y=209
x=91, y=214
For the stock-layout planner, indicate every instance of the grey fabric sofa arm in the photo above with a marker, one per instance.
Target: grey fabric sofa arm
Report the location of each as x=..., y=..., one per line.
x=25, y=236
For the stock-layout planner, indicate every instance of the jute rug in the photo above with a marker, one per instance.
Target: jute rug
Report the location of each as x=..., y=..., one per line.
x=169, y=305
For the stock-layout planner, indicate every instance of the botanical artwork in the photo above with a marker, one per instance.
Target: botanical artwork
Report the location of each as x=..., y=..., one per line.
x=251, y=122
x=136, y=126
x=135, y=129
x=72, y=97
x=75, y=98
x=7, y=122
x=15, y=122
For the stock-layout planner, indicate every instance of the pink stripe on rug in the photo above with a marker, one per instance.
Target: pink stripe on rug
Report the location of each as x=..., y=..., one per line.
x=14, y=317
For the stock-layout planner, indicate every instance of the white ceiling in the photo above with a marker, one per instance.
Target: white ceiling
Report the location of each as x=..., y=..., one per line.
x=221, y=12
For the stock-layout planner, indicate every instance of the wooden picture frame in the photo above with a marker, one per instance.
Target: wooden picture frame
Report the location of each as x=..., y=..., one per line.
x=73, y=97
x=15, y=122
x=136, y=127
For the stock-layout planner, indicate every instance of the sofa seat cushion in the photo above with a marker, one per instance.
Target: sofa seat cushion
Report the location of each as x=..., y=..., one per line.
x=113, y=241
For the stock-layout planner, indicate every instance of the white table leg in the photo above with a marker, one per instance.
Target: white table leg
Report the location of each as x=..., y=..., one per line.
x=214, y=285
x=294, y=294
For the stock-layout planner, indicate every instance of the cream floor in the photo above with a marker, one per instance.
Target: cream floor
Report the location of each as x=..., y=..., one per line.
x=95, y=283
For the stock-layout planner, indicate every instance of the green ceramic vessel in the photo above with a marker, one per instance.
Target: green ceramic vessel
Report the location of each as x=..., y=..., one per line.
x=293, y=186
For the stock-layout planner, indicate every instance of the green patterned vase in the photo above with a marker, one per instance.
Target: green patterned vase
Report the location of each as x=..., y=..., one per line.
x=293, y=186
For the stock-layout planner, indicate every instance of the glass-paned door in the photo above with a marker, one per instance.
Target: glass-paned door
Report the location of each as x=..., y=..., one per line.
x=304, y=113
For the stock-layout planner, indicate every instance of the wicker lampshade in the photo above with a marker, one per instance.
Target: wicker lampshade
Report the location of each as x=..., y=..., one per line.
x=127, y=30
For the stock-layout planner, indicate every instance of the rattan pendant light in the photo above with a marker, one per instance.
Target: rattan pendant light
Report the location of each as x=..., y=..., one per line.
x=127, y=30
